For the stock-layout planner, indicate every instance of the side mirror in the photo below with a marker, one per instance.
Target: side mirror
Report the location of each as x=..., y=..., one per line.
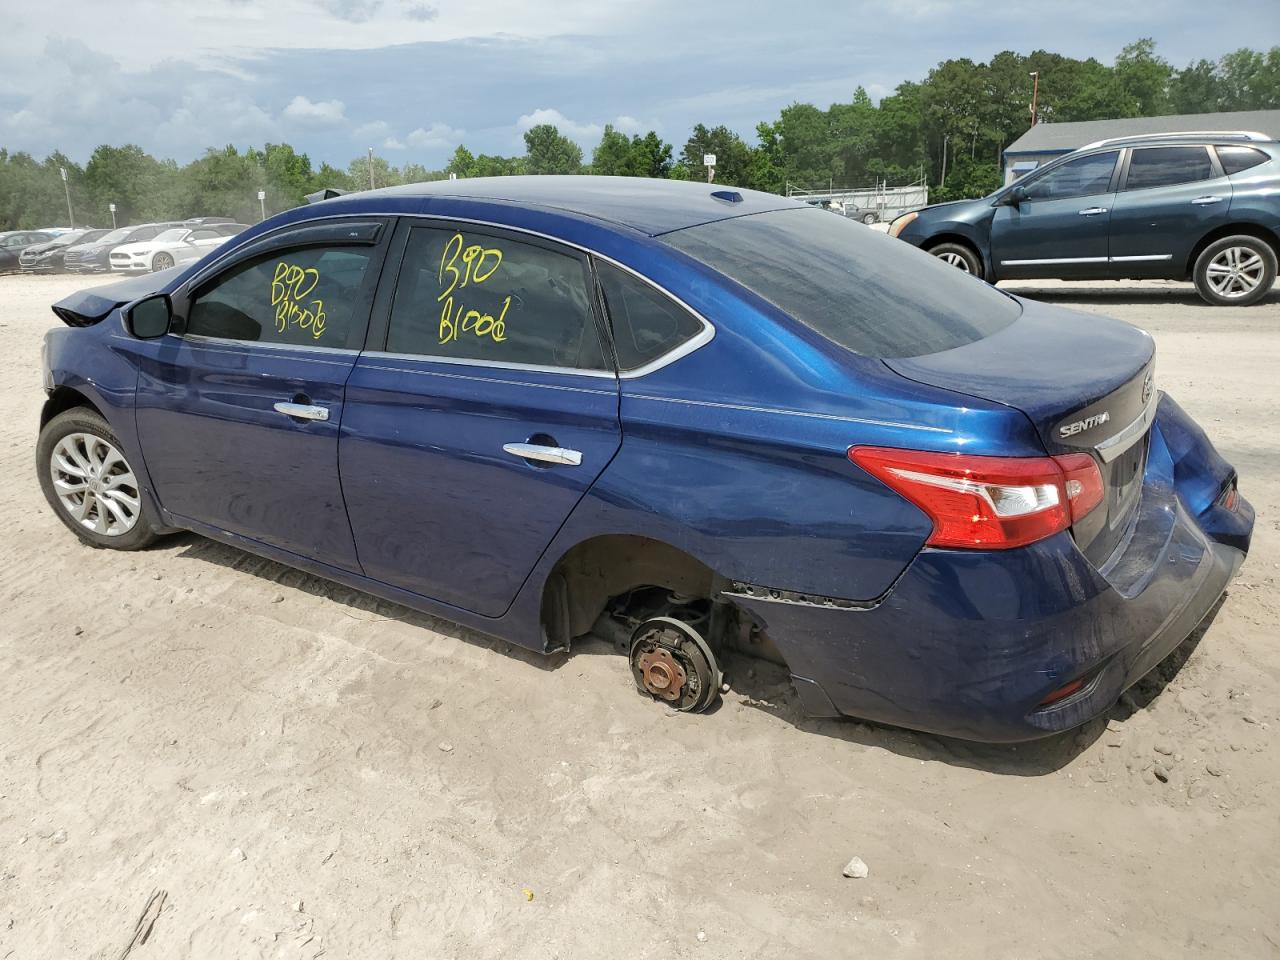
x=150, y=318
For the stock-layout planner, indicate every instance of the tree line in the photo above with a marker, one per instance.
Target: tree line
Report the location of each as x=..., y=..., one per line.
x=948, y=129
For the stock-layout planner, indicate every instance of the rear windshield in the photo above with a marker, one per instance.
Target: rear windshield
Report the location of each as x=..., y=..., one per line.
x=867, y=292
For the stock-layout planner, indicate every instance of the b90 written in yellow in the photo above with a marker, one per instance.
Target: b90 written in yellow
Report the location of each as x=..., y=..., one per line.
x=289, y=285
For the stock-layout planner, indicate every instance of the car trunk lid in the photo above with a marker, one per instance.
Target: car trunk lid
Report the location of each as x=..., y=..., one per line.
x=1085, y=382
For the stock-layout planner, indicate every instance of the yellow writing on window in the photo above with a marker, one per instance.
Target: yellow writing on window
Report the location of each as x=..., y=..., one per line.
x=463, y=265
x=290, y=287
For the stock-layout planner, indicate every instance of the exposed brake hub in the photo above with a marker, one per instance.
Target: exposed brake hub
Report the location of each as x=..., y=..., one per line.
x=671, y=661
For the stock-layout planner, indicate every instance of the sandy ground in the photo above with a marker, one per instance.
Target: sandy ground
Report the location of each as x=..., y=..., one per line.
x=304, y=771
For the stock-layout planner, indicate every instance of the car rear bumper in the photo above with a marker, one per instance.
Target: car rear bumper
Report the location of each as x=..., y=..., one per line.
x=970, y=643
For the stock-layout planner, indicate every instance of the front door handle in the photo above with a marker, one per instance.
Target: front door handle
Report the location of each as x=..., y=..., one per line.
x=536, y=451
x=1092, y=211
x=1205, y=201
x=302, y=411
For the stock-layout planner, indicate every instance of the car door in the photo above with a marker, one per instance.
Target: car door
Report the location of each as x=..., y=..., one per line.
x=1170, y=197
x=1060, y=228
x=197, y=243
x=489, y=410
x=238, y=409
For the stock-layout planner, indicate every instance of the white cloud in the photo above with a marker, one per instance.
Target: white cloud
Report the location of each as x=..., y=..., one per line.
x=322, y=113
x=436, y=136
x=372, y=131
x=585, y=134
x=391, y=143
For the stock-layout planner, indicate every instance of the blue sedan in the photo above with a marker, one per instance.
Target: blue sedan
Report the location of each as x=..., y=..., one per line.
x=692, y=420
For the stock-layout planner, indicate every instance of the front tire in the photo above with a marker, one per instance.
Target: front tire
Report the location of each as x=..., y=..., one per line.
x=161, y=261
x=959, y=256
x=1235, y=271
x=89, y=483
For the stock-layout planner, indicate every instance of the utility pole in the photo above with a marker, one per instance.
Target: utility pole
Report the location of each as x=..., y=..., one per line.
x=262, y=204
x=1035, y=93
x=112, y=208
x=71, y=218
x=371, y=168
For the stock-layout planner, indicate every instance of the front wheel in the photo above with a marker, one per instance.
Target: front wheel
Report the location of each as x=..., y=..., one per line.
x=868, y=218
x=1235, y=271
x=89, y=483
x=959, y=256
x=162, y=261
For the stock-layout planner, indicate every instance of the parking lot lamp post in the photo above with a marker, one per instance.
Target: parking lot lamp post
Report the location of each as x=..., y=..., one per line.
x=71, y=218
x=262, y=204
x=112, y=208
x=1035, y=93
x=371, y=168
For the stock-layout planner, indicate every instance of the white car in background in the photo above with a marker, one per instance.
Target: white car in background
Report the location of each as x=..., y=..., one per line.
x=173, y=246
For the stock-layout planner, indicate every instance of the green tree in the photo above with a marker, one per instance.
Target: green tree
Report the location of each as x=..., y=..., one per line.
x=612, y=155
x=733, y=156
x=1145, y=77
x=549, y=151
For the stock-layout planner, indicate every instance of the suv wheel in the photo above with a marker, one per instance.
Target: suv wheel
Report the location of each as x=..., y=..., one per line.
x=958, y=256
x=89, y=483
x=1235, y=271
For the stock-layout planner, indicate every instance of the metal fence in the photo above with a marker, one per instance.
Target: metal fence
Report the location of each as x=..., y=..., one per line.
x=868, y=204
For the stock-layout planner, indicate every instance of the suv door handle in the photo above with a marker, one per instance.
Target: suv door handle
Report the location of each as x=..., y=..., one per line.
x=302, y=411
x=1092, y=211
x=1204, y=201
x=535, y=451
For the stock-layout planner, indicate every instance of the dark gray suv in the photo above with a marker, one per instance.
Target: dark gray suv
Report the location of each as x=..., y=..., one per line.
x=1202, y=207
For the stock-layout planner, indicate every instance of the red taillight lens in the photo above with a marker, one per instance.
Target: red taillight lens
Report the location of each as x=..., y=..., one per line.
x=1083, y=483
x=992, y=503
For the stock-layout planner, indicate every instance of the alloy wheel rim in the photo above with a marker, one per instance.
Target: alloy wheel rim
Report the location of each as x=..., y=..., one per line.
x=95, y=484
x=1235, y=272
x=955, y=260
x=163, y=261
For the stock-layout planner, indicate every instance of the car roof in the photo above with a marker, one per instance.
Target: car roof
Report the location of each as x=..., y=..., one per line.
x=649, y=206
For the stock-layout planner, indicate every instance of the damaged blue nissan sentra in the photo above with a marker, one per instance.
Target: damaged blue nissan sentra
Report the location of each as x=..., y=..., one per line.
x=685, y=417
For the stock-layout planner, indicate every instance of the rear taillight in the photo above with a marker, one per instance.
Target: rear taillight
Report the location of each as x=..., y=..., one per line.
x=991, y=503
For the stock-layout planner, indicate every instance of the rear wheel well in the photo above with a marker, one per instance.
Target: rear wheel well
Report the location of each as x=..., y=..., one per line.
x=596, y=570
x=941, y=238
x=1230, y=230
x=63, y=399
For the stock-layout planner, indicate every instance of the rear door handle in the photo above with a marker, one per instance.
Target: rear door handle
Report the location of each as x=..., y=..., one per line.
x=302, y=411
x=1205, y=201
x=1092, y=211
x=534, y=451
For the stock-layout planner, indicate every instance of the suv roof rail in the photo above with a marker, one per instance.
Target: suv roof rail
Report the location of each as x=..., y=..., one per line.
x=1250, y=135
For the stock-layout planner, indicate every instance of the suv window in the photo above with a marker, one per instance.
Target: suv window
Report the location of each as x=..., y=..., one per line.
x=645, y=322
x=1082, y=177
x=1235, y=159
x=298, y=297
x=858, y=288
x=1167, y=166
x=473, y=296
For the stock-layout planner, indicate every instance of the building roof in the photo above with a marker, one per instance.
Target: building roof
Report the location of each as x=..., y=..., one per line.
x=1062, y=137
x=650, y=206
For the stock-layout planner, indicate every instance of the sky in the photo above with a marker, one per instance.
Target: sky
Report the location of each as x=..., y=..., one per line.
x=415, y=78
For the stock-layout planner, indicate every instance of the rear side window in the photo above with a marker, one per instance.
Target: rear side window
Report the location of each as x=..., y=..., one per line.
x=865, y=291
x=464, y=295
x=1167, y=166
x=646, y=324
x=1081, y=177
x=306, y=297
x=1235, y=159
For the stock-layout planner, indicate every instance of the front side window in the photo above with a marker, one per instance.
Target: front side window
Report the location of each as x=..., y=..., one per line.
x=646, y=323
x=464, y=295
x=860, y=289
x=1235, y=159
x=1167, y=166
x=302, y=297
x=1082, y=177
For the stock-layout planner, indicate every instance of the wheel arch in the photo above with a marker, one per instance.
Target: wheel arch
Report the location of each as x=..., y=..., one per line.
x=585, y=576
x=64, y=398
x=1239, y=228
x=947, y=236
